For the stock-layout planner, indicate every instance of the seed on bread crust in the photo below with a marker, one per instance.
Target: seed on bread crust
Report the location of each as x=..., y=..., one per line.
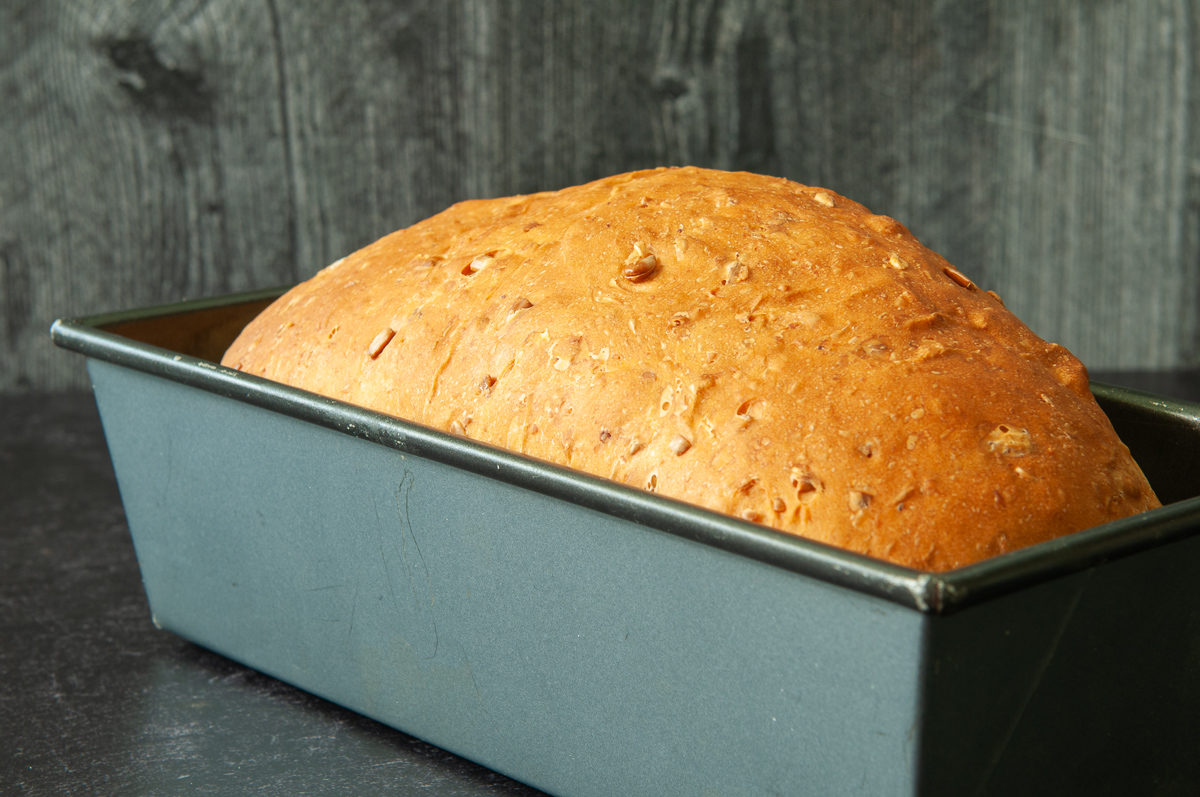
x=859, y=500
x=640, y=264
x=735, y=272
x=958, y=277
x=380, y=342
x=679, y=445
x=478, y=264
x=1009, y=441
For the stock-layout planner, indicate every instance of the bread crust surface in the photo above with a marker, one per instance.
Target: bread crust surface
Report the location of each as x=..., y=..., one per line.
x=755, y=346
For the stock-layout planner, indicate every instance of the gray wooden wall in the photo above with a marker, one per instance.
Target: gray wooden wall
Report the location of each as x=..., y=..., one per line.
x=152, y=150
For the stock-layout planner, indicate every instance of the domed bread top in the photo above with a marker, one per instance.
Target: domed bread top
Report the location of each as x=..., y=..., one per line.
x=745, y=343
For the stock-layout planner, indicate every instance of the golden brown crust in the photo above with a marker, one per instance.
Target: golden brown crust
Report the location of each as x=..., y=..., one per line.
x=745, y=343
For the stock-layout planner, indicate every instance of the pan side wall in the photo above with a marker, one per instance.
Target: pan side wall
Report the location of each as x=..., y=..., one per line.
x=571, y=650
x=1087, y=684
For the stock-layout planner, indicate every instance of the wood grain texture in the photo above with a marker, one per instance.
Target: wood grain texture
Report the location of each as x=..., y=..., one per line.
x=152, y=150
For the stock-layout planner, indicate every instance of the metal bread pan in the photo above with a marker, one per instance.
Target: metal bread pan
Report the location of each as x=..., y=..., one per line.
x=591, y=639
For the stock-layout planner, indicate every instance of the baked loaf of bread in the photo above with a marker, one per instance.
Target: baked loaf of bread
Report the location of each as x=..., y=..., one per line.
x=744, y=343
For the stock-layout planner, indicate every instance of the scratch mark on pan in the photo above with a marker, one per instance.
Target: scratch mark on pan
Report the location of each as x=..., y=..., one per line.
x=170, y=468
x=474, y=683
x=387, y=570
x=353, y=611
x=403, y=491
x=1037, y=681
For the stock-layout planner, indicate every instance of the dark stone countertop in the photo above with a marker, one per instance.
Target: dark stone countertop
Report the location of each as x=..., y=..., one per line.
x=94, y=699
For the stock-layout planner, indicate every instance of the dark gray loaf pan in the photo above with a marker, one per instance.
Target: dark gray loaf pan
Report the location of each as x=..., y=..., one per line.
x=592, y=639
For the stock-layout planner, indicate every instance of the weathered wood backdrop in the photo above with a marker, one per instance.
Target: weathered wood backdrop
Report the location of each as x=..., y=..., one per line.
x=152, y=150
